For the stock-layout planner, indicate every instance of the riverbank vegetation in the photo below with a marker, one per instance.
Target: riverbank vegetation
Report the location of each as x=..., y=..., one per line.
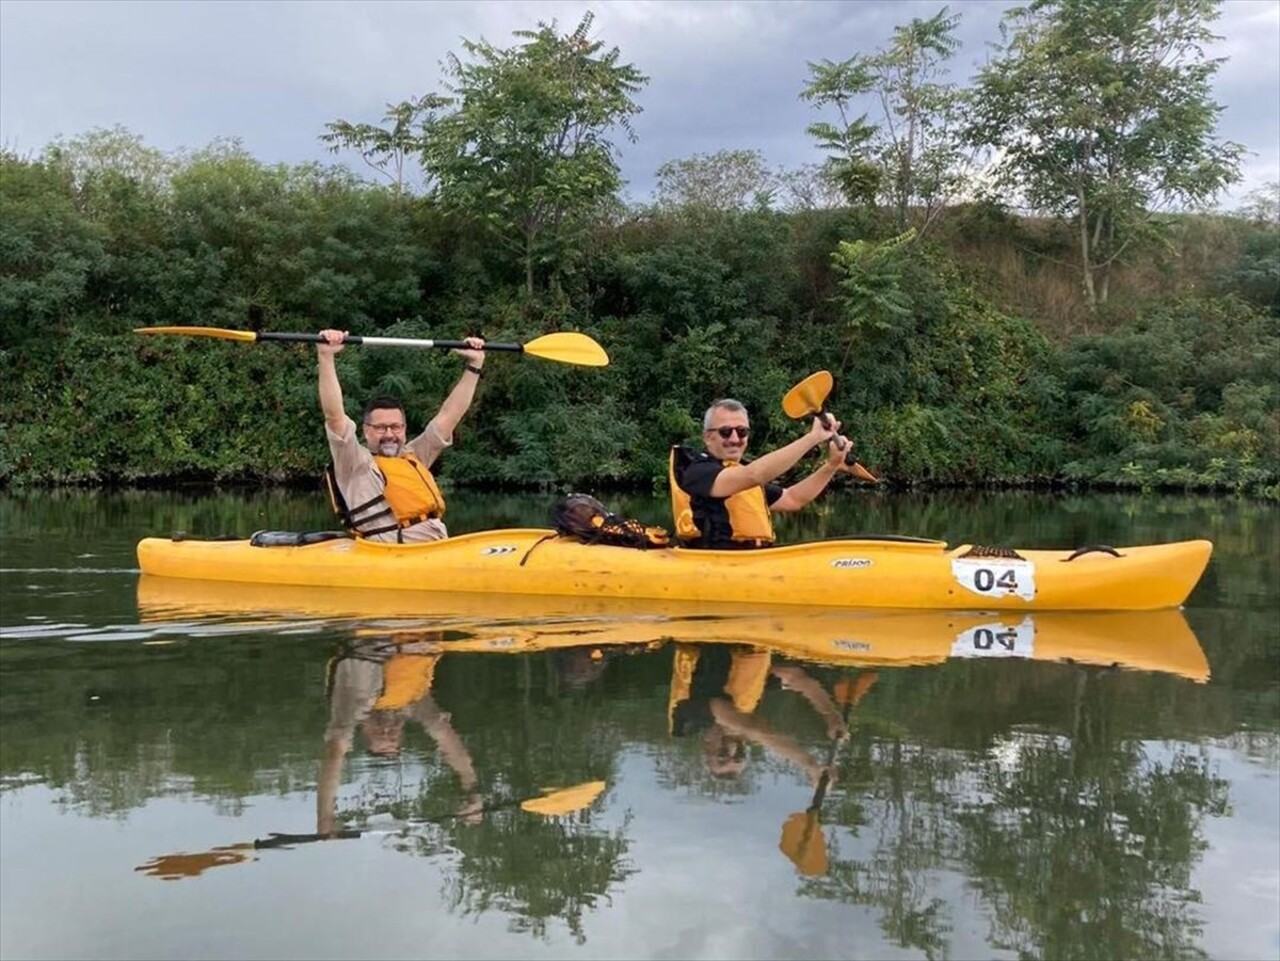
x=972, y=343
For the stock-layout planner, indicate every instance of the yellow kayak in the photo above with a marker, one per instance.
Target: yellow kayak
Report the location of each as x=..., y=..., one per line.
x=906, y=573
x=515, y=624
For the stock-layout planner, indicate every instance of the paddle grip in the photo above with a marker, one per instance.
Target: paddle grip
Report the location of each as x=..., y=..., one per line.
x=849, y=459
x=355, y=340
x=826, y=422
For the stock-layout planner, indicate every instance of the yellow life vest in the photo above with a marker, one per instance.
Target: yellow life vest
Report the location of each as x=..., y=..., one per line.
x=410, y=495
x=749, y=516
x=748, y=674
x=405, y=679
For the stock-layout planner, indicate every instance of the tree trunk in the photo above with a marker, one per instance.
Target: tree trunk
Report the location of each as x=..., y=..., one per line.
x=1086, y=265
x=528, y=263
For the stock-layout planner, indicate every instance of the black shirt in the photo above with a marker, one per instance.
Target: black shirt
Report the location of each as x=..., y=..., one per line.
x=709, y=513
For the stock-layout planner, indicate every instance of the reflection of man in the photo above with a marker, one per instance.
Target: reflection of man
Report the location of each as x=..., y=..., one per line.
x=716, y=689
x=379, y=688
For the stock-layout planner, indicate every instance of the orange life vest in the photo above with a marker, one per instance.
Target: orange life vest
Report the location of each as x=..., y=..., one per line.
x=748, y=510
x=410, y=496
x=406, y=678
x=744, y=685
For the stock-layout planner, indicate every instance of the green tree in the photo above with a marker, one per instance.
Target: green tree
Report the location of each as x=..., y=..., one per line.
x=724, y=180
x=913, y=158
x=48, y=250
x=919, y=144
x=1100, y=113
x=525, y=149
x=387, y=149
x=849, y=164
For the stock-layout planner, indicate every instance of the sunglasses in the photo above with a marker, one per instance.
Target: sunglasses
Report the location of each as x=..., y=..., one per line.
x=727, y=432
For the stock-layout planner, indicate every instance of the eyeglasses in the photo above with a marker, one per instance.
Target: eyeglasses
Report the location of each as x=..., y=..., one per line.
x=727, y=432
x=385, y=428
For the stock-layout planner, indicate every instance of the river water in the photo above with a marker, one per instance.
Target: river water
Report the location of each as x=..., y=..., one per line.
x=1108, y=790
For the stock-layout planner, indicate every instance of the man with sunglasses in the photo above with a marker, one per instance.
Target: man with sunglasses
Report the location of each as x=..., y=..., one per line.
x=384, y=489
x=720, y=503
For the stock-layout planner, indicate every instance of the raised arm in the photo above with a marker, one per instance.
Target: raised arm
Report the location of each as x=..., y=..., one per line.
x=459, y=400
x=335, y=415
x=795, y=678
x=802, y=492
x=751, y=728
x=765, y=468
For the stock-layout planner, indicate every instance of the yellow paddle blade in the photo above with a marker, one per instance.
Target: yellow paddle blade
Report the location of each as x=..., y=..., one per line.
x=849, y=691
x=175, y=867
x=862, y=473
x=804, y=843
x=568, y=347
x=565, y=800
x=220, y=332
x=806, y=398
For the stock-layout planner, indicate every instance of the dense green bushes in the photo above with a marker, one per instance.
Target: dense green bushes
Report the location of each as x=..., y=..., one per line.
x=936, y=380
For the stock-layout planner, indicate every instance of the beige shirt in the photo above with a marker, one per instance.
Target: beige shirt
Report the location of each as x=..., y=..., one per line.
x=360, y=480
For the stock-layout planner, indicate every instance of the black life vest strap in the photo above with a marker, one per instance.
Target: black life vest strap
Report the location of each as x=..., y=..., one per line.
x=353, y=517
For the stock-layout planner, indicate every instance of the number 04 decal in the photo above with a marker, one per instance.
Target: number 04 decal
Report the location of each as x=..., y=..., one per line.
x=992, y=577
x=997, y=639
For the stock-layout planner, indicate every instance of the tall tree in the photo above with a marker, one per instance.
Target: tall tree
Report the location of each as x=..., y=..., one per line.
x=919, y=143
x=912, y=158
x=525, y=149
x=1101, y=113
x=849, y=163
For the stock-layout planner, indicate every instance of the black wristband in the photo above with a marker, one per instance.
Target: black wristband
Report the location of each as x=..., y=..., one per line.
x=475, y=370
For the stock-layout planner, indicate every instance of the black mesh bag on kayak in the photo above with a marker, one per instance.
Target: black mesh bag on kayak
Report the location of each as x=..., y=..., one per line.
x=584, y=518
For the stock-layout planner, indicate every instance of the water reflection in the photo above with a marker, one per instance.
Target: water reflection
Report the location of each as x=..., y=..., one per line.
x=1052, y=786
x=919, y=807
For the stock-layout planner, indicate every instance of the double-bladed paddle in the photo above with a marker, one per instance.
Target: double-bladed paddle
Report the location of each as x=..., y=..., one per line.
x=550, y=803
x=803, y=840
x=566, y=347
x=809, y=399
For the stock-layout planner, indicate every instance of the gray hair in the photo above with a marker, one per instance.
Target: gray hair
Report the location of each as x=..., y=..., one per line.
x=725, y=403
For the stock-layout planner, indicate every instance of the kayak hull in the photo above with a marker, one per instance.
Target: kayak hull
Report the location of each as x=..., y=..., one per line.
x=851, y=573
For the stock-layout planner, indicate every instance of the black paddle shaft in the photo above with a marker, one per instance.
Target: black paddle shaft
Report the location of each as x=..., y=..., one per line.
x=356, y=340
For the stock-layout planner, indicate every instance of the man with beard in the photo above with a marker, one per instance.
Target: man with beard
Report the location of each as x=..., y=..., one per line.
x=385, y=491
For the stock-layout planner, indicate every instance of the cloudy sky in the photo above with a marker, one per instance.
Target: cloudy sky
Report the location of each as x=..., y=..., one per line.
x=724, y=74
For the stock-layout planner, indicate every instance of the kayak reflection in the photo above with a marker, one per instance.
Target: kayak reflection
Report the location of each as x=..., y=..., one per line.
x=486, y=696
x=1139, y=640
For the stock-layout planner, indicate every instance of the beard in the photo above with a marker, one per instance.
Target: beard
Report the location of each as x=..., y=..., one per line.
x=389, y=447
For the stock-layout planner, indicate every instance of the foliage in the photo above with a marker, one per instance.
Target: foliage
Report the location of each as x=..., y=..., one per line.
x=934, y=382
x=1102, y=114
x=1256, y=273
x=849, y=165
x=391, y=146
x=49, y=251
x=724, y=180
x=524, y=153
x=942, y=387
x=1185, y=397
x=913, y=157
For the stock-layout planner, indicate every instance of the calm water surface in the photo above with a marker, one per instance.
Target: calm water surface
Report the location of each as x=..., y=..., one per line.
x=1070, y=788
